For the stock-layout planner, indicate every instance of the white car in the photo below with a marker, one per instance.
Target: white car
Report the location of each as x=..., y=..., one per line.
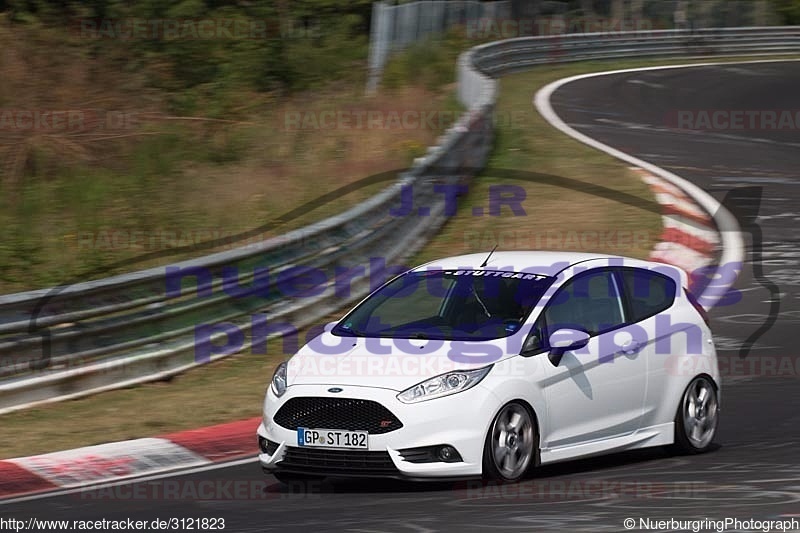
x=490, y=364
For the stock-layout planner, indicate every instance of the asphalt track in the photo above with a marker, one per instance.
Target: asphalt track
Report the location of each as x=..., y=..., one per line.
x=754, y=473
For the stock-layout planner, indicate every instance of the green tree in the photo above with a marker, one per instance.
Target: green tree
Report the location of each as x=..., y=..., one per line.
x=788, y=10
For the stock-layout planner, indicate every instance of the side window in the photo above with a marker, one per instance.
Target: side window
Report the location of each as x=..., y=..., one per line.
x=590, y=302
x=648, y=293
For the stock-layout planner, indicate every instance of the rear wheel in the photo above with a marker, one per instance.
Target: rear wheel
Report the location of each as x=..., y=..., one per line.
x=510, y=445
x=697, y=417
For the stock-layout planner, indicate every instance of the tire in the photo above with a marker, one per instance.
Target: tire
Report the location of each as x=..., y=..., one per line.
x=511, y=445
x=697, y=417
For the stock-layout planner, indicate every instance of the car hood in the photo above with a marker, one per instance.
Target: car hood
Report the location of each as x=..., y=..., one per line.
x=395, y=364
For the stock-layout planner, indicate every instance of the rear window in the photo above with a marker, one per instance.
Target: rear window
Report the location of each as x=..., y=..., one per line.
x=648, y=293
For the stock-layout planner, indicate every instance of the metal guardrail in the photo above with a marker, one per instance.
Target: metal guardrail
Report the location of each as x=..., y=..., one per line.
x=74, y=340
x=513, y=55
x=79, y=339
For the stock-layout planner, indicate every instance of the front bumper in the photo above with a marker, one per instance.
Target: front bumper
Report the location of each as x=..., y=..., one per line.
x=460, y=420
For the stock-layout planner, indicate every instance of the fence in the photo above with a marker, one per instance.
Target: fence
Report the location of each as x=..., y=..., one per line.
x=395, y=27
x=73, y=340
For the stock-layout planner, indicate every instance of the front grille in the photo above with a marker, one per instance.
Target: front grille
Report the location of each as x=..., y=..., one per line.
x=337, y=413
x=332, y=462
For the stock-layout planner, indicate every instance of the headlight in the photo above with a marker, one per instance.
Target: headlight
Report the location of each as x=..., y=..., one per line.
x=279, y=380
x=444, y=385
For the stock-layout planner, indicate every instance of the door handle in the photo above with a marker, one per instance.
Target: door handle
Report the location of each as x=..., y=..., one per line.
x=631, y=347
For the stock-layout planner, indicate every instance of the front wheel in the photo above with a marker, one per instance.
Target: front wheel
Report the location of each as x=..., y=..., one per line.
x=510, y=445
x=697, y=417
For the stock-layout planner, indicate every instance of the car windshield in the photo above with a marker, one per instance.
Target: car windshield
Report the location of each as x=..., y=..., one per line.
x=447, y=305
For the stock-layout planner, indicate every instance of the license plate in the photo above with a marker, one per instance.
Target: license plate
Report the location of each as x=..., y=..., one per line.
x=332, y=438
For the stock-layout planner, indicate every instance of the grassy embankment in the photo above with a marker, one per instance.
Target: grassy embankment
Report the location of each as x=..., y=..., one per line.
x=141, y=162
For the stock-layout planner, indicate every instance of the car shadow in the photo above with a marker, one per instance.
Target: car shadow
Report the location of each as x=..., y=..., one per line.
x=381, y=485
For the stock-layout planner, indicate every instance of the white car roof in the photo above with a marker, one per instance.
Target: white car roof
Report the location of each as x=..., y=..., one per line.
x=535, y=262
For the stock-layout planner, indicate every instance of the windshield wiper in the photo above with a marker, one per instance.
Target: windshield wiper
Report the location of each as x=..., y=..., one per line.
x=485, y=310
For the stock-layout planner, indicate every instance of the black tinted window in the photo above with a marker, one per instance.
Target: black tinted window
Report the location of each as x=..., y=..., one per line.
x=447, y=304
x=648, y=292
x=589, y=302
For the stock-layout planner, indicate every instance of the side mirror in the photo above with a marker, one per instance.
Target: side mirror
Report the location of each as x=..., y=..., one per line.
x=564, y=340
x=532, y=344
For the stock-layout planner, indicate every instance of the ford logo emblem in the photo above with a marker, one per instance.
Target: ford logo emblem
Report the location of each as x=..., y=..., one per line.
x=335, y=389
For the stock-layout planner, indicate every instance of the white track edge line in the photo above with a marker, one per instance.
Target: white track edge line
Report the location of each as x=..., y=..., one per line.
x=731, y=239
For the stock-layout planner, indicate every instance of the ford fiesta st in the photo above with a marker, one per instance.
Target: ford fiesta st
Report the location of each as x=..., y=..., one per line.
x=488, y=365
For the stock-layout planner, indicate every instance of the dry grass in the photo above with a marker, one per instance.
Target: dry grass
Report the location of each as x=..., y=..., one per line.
x=79, y=198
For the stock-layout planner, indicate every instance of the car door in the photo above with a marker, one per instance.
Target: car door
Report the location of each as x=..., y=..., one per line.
x=649, y=296
x=595, y=392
